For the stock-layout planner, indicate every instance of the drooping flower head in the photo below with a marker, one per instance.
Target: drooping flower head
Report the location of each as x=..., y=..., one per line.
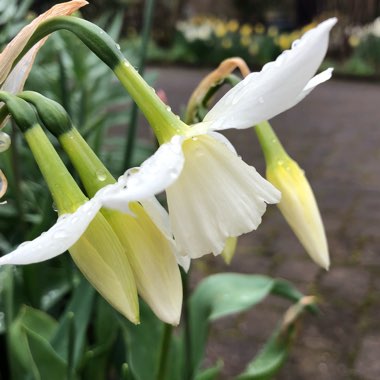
x=217, y=195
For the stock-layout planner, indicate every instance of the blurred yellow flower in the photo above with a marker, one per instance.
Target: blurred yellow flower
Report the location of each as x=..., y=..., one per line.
x=259, y=28
x=353, y=41
x=245, y=41
x=272, y=31
x=283, y=41
x=220, y=30
x=226, y=43
x=246, y=30
x=253, y=48
x=233, y=26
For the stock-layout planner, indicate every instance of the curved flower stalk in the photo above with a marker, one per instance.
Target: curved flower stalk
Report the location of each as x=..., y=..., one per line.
x=148, y=241
x=92, y=238
x=216, y=195
x=13, y=79
x=298, y=204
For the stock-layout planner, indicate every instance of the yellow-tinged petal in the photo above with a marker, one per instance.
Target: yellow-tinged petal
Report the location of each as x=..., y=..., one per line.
x=152, y=259
x=299, y=208
x=102, y=259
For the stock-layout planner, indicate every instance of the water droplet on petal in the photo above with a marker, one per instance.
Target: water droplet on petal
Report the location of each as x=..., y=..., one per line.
x=295, y=43
x=127, y=64
x=101, y=175
x=235, y=100
x=168, y=109
x=24, y=244
x=280, y=162
x=5, y=141
x=54, y=206
x=117, y=46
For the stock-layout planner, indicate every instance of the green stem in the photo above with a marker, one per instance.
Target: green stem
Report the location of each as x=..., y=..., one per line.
x=165, y=347
x=9, y=312
x=65, y=191
x=165, y=123
x=270, y=144
x=187, y=329
x=17, y=181
x=131, y=133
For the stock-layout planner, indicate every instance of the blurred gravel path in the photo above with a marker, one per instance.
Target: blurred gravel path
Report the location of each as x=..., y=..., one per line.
x=334, y=134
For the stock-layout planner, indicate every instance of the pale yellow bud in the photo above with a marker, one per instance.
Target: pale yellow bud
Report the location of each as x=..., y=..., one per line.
x=297, y=204
x=229, y=249
x=299, y=208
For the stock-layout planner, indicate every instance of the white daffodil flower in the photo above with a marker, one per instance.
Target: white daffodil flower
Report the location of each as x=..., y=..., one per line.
x=217, y=195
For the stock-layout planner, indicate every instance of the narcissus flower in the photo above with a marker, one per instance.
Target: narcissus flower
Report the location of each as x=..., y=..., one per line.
x=217, y=195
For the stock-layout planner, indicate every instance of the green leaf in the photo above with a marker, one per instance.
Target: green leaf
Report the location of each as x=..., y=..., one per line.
x=274, y=353
x=100, y=357
x=210, y=373
x=30, y=347
x=221, y=295
x=69, y=337
x=228, y=293
x=144, y=344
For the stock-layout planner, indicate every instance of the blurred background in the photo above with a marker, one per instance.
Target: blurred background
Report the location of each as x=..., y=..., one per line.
x=202, y=33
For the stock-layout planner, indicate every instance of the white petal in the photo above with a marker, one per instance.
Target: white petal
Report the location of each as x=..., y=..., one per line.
x=158, y=215
x=216, y=196
x=223, y=139
x=276, y=88
x=154, y=176
x=314, y=82
x=160, y=218
x=57, y=239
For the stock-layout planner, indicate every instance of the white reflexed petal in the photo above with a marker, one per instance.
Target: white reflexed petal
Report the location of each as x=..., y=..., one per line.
x=216, y=196
x=276, y=88
x=314, y=82
x=154, y=176
x=57, y=239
